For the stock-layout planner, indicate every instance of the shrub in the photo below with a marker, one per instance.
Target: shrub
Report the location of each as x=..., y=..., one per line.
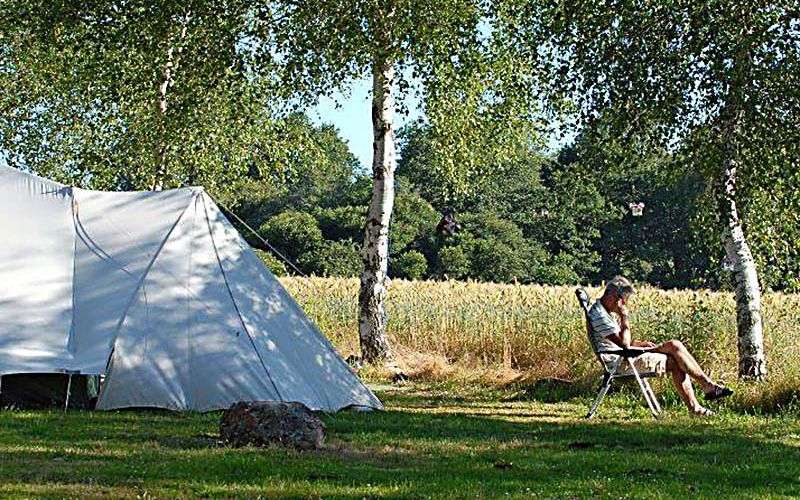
x=453, y=262
x=343, y=223
x=497, y=262
x=332, y=258
x=410, y=265
x=293, y=233
x=274, y=264
x=413, y=219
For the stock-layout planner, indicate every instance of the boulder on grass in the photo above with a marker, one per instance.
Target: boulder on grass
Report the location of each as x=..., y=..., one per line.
x=262, y=423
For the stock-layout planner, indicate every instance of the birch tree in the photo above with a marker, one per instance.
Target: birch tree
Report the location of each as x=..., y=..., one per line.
x=715, y=80
x=442, y=46
x=130, y=93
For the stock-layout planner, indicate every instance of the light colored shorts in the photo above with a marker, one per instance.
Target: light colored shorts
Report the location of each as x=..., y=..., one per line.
x=648, y=362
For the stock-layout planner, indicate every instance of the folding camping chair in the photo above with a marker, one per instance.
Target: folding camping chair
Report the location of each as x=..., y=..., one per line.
x=613, y=370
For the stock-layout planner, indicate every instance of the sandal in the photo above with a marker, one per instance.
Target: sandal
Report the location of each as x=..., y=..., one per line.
x=703, y=413
x=718, y=392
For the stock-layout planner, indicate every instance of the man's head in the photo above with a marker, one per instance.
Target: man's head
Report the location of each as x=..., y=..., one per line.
x=619, y=290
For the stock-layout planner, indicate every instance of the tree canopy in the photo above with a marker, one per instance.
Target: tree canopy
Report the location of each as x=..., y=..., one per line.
x=131, y=94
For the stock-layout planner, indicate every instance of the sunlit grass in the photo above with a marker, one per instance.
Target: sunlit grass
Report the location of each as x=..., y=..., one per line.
x=433, y=441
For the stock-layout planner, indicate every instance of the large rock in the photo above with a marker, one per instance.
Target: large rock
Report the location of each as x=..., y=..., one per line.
x=262, y=423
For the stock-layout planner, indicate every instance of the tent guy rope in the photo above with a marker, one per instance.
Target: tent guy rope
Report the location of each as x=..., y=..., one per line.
x=260, y=238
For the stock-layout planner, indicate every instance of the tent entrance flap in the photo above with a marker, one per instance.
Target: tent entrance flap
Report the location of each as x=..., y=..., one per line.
x=48, y=390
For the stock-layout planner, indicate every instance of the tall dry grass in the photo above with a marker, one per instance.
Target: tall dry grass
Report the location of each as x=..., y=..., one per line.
x=539, y=330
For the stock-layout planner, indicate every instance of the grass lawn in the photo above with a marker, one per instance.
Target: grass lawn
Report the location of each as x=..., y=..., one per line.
x=429, y=443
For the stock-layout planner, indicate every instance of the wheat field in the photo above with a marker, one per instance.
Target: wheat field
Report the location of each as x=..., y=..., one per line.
x=539, y=330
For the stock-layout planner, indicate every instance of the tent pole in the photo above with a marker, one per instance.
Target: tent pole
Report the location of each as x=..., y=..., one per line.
x=69, y=387
x=69, y=373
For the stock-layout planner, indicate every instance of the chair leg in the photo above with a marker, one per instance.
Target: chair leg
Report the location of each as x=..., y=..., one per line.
x=604, y=386
x=653, y=398
x=645, y=392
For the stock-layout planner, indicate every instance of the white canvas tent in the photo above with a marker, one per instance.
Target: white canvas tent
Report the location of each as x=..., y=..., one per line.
x=158, y=292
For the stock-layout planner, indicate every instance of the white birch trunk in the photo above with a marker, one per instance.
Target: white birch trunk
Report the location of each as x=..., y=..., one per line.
x=750, y=336
x=752, y=360
x=167, y=81
x=375, y=252
x=160, y=171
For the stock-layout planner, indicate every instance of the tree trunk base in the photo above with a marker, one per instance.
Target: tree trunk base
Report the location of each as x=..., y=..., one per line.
x=754, y=370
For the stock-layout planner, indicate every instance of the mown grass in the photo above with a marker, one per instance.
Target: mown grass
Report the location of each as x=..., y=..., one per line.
x=441, y=442
x=460, y=329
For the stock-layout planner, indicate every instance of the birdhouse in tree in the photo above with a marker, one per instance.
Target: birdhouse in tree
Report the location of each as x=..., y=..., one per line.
x=636, y=208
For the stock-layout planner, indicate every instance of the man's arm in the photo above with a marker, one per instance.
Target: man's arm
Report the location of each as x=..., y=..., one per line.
x=623, y=338
x=625, y=327
x=618, y=340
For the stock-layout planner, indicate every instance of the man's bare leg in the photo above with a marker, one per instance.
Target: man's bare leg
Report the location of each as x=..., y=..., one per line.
x=684, y=360
x=684, y=386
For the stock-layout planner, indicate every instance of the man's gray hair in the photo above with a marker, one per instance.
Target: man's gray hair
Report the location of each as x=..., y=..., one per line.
x=621, y=285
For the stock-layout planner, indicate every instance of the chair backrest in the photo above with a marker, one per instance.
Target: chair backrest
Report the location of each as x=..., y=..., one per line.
x=586, y=304
x=583, y=298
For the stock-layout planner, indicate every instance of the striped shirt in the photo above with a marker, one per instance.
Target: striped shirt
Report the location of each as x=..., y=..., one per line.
x=603, y=325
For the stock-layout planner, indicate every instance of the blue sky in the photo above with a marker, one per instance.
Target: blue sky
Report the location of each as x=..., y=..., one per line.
x=352, y=116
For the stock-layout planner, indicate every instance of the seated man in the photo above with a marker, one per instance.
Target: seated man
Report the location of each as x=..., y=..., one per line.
x=670, y=356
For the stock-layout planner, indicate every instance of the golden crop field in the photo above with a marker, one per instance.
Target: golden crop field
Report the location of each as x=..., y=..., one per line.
x=540, y=329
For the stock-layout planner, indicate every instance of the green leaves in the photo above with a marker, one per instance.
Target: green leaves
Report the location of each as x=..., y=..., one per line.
x=84, y=90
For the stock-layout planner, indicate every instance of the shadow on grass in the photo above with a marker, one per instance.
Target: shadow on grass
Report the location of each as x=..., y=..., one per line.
x=551, y=390
x=420, y=447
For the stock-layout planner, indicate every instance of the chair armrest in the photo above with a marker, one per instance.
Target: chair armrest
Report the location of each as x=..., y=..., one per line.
x=631, y=352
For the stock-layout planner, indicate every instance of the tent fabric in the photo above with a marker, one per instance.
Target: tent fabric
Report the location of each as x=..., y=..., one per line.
x=158, y=292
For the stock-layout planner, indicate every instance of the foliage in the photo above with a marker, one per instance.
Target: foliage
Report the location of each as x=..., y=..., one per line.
x=413, y=222
x=272, y=261
x=410, y=265
x=120, y=95
x=342, y=223
x=453, y=262
x=332, y=258
x=715, y=83
x=528, y=194
x=667, y=69
x=79, y=86
x=297, y=166
x=675, y=243
x=651, y=247
x=498, y=249
x=310, y=164
x=292, y=233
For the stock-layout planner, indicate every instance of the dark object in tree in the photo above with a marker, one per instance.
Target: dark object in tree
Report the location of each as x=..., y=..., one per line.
x=262, y=423
x=448, y=225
